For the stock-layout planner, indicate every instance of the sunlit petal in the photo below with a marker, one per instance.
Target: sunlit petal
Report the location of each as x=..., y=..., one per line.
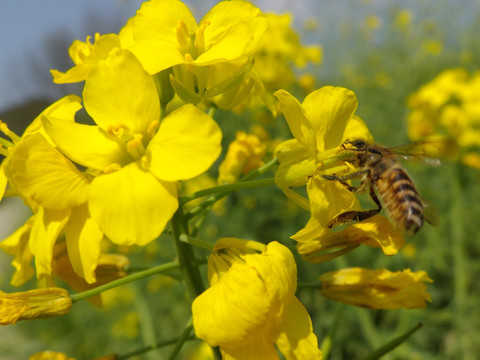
x=120, y=92
x=185, y=132
x=329, y=110
x=131, y=205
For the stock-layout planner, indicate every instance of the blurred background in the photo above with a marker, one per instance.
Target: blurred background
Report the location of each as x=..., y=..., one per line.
x=384, y=52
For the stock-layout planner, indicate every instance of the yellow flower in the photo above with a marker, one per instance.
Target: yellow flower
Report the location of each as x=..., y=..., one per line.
x=56, y=191
x=136, y=158
x=166, y=34
x=376, y=231
x=244, y=154
x=377, y=289
x=85, y=56
x=278, y=49
x=49, y=355
x=320, y=125
x=251, y=304
x=33, y=304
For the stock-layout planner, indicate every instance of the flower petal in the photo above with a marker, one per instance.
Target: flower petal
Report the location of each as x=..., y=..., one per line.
x=377, y=289
x=17, y=245
x=120, y=92
x=329, y=110
x=41, y=173
x=155, y=33
x=234, y=310
x=46, y=227
x=258, y=348
x=83, y=243
x=296, y=339
x=131, y=205
x=297, y=119
x=186, y=145
x=87, y=145
x=328, y=199
x=234, y=28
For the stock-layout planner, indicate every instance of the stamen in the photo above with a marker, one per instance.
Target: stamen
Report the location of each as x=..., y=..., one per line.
x=4, y=128
x=112, y=168
x=199, y=42
x=153, y=128
x=183, y=37
x=135, y=146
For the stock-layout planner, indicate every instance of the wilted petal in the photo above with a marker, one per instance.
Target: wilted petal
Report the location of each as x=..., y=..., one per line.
x=377, y=289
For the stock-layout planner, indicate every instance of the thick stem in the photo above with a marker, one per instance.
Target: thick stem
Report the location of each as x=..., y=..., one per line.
x=186, y=258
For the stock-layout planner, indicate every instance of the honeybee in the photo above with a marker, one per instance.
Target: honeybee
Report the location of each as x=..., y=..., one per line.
x=380, y=171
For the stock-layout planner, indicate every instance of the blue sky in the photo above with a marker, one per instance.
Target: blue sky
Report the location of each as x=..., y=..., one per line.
x=24, y=25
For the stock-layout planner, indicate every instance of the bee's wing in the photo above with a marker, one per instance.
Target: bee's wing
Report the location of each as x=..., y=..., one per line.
x=430, y=213
x=428, y=150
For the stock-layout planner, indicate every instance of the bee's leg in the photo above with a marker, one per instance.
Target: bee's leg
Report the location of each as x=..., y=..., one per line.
x=350, y=216
x=342, y=180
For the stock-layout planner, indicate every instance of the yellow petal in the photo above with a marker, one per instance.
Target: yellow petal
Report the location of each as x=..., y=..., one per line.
x=46, y=228
x=186, y=145
x=378, y=231
x=65, y=108
x=328, y=199
x=297, y=119
x=234, y=310
x=357, y=129
x=101, y=48
x=329, y=110
x=377, y=289
x=3, y=181
x=83, y=243
x=131, y=206
x=297, y=163
x=234, y=29
x=120, y=91
x=41, y=173
x=87, y=145
x=17, y=245
x=155, y=33
x=296, y=339
x=257, y=348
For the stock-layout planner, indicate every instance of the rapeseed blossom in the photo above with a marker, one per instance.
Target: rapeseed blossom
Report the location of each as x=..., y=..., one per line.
x=33, y=304
x=251, y=304
x=320, y=125
x=449, y=106
x=377, y=289
x=129, y=150
x=244, y=154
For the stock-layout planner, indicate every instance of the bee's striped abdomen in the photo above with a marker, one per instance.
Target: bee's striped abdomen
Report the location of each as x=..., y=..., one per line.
x=401, y=199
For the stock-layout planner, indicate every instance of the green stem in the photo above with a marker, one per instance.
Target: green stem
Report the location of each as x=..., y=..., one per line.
x=227, y=188
x=212, y=199
x=196, y=242
x=459, y=267
x=181, y=340
x=326, y=345
x=151, y=347
x=379, y=352
x=186, y=257
x=125, y=280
